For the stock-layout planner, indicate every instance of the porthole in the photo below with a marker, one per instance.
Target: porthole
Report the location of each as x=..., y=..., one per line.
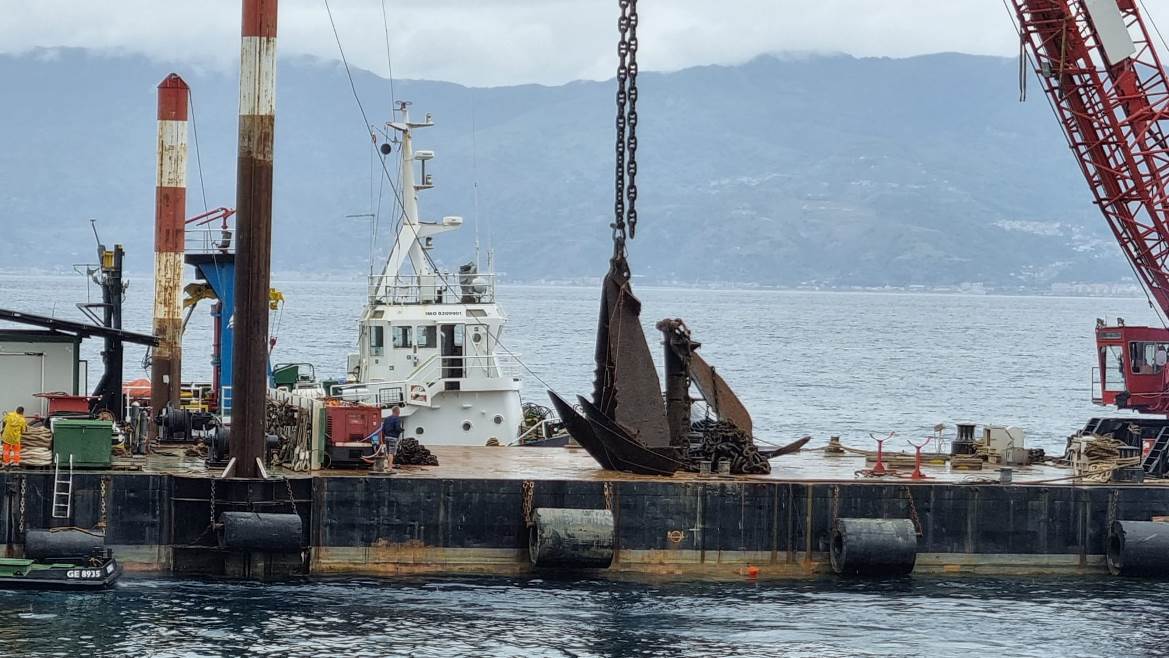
x=418, y=430
x=498, y=419
x=466, y=426
x=476, y=337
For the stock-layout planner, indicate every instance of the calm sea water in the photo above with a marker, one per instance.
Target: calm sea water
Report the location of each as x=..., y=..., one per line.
x=817, y=363
x=503, y=618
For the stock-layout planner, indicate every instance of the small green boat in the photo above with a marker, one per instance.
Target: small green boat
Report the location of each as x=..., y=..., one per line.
x=97, y=571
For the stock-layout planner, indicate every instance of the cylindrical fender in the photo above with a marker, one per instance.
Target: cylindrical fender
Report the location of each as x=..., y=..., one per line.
x=873, y=547
x=571, y=538
x=41, y=544
x=253, y=531
x=1138, y=548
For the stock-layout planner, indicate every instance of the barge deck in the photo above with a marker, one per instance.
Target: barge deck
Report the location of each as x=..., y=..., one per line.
x=496, y=463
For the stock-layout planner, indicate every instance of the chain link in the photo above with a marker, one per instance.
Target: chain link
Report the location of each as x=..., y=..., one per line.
x=631, y=124
x=625, y=201
x=529, y=490
x=212, y=502
x=103, y=518
x=23, y=496
x=912, y=511
x=835, y=504
x=1113, y=498
x=291, y=498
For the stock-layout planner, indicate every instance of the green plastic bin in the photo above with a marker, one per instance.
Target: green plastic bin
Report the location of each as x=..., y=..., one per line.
x=88, y=441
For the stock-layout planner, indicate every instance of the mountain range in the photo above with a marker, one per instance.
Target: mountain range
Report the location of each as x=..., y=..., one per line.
x=783, y=171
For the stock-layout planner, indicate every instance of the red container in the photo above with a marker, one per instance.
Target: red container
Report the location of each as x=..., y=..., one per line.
x=64, y=403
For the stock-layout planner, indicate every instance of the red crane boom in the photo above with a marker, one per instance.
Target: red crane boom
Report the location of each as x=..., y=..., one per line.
x=1103, y=76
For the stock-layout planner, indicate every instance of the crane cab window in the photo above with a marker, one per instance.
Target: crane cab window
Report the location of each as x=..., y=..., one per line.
x=1113, y=357
x=1148, y=358
x=427, y=337
x=403, y=336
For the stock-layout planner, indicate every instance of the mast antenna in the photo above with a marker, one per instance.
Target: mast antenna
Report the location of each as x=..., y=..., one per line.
x=475, y=173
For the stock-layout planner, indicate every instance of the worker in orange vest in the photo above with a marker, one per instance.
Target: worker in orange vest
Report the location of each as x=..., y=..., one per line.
x=14, y=428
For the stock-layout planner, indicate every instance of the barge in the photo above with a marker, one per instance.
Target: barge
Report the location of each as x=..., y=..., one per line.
x=472, y=515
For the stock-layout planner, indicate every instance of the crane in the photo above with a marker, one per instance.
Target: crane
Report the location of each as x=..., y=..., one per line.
x=1103, y=77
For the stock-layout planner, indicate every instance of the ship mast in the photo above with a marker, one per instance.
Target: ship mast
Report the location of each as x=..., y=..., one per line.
x=413, y=236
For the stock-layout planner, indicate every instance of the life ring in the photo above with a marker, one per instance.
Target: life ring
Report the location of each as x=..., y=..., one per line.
x=417, y=393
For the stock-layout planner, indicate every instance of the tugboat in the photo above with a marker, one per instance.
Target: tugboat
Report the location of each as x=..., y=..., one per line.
x=427, y=339
x=97, y=571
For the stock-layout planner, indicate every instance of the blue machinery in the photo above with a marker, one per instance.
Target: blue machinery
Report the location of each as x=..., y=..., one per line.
x=211, y=251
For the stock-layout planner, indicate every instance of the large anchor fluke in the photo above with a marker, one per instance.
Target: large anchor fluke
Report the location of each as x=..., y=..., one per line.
x=579, y=429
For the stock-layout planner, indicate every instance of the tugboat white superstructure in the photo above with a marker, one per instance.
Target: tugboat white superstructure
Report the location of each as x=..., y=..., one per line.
x=428, y=339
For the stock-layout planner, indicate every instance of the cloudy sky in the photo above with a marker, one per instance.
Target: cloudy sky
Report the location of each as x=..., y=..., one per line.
x=493, y=42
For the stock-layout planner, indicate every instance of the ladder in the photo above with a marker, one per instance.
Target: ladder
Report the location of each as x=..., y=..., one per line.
x=1152, y=463
x=62, y=490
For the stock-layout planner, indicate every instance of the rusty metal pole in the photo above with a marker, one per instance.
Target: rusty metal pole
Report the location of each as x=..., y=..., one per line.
x=253, y=267
x=170, y=211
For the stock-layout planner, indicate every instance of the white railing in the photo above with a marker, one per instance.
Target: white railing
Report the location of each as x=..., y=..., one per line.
x=210, y=241
x=443, y=288
x=507, y=365
x=382, y=394
x=428, y=378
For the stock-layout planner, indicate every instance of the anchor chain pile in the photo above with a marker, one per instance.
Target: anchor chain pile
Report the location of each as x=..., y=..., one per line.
x=412, y=453
x=534, y=416
x=723, y=440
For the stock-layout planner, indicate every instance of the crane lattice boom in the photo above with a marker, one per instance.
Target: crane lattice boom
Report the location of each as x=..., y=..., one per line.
x=1104, y=77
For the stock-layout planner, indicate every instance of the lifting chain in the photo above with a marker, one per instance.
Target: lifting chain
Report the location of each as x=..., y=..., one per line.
x=103, y=516
x=291, y=498
x=625, y=202
x=212, y=501
x=631, y=122
x=835, y=504
x=529, y=490
x=1113, y=501
x=912, y=511
x=609, y=496
x=23, y=497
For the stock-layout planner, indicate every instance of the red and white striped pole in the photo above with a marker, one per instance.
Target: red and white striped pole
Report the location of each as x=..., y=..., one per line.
x=253, y=266
x=170, y=211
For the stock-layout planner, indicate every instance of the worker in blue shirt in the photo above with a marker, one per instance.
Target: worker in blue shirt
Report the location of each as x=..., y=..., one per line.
x=391, y=431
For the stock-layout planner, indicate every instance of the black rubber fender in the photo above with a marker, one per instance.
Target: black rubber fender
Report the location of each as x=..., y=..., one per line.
x=42, y=544
x=571, y=538
x=873, y=547
x=1138, y=548
x=261, y=532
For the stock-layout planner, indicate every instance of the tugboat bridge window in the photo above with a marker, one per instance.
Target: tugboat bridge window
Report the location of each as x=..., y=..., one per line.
x=403, y=336
x=427, y=336
x=376, y=340
x=1148, y=358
